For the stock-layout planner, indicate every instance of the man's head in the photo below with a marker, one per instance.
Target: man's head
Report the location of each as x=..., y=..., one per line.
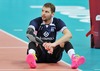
x=51, y=6
x=48, y=11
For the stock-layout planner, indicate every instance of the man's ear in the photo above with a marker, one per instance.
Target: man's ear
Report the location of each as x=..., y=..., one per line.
x=52, y=14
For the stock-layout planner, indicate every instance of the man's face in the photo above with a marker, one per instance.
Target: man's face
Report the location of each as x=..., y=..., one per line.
x=46, y=14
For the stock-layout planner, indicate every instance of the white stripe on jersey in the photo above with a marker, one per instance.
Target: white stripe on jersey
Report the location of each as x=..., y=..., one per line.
x=31, y=26
x=63, y=28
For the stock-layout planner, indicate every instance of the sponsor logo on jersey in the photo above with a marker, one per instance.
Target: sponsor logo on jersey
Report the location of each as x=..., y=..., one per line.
x=46, y=34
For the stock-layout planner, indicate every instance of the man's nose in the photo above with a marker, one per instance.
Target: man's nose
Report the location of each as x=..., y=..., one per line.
x=43, y=13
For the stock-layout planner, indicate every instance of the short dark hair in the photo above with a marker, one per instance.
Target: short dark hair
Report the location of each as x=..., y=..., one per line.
x=51, y=6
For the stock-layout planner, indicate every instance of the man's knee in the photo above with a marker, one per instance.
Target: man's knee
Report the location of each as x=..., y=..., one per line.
x=62, y=45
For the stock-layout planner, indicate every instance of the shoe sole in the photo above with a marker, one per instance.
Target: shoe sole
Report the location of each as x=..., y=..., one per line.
x=31, y=61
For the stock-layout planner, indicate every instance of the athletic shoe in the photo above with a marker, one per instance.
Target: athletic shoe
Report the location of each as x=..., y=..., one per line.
x=77, y=61
x=30, y=59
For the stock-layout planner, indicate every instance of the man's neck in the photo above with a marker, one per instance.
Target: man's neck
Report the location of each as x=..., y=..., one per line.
x=48, y=21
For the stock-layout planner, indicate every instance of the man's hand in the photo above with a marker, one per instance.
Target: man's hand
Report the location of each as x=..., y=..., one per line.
x=49, y=47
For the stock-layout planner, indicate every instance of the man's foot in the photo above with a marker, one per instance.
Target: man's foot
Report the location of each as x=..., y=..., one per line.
x=30, y=59
x=77, y=61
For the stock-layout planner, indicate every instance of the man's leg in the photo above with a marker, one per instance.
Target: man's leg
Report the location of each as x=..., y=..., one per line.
x=56, y=56
x=76, y=59
x=35, y=54
x=31, y=55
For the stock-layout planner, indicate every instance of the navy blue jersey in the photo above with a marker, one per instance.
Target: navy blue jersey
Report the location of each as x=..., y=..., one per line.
x=47, y=32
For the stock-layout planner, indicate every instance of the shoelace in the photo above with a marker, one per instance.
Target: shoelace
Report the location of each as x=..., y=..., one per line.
x=35, y=56
x=76, y=57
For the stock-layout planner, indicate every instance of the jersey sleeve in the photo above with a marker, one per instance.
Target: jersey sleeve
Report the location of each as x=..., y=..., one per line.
x=60, y=25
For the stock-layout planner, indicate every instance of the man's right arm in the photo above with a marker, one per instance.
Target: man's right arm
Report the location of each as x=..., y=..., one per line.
x=30, y=32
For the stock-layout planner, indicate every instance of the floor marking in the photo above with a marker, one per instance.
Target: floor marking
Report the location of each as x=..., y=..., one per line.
x=13, y=36
x=80, y=30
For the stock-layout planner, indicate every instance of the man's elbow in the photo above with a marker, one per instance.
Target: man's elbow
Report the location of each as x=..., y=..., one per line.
x=70, y=36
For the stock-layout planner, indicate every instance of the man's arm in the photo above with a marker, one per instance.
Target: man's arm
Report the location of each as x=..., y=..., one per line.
x=66, y=37
x=32, y=37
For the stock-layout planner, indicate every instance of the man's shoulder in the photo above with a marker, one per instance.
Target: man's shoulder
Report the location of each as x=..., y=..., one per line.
x=38, y=19
x=57, y=19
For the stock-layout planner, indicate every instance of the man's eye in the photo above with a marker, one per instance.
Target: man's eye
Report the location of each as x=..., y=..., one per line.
x=47, y=12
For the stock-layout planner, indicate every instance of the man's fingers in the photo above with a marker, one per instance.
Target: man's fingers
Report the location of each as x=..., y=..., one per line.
x=50, y=51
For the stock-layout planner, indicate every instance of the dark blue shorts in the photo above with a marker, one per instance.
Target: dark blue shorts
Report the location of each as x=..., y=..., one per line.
x=44, y=57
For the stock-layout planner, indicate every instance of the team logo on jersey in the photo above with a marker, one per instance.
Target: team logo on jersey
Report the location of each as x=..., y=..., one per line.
x=52, y=29
x=46, y=34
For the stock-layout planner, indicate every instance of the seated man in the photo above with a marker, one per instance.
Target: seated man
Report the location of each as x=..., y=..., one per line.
x=43, y=46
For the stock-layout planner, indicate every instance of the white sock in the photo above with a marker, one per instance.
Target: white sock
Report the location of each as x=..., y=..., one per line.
x=71, y=52
x=31, y=51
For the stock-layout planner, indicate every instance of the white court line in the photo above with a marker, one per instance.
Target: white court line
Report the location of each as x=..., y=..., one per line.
x=13, y=36
x=27, y=43
x=80, y=30
x=69, y=64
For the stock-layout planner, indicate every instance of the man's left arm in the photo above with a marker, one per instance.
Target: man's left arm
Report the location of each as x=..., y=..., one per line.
x=66, y=37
